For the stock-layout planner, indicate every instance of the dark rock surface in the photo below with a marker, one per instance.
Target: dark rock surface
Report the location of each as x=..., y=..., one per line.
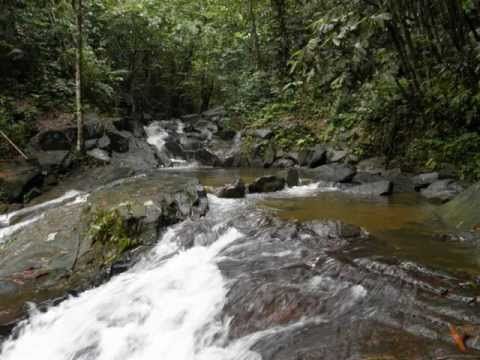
x=463, y=212
x=17, y=178
x=335, y=173
x=378, y=188
x=267, y=184
x=292, y=178
x=442, y=190
x=423, y=180
x=237, y=190
x=375, y=165
x=55, y=252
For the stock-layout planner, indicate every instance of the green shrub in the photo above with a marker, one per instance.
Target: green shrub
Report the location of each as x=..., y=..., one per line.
x=110, y=228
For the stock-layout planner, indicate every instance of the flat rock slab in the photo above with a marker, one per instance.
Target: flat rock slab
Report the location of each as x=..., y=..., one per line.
x=52, y=250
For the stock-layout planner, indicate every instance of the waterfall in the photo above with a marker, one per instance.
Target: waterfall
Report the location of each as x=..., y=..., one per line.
x=168, y=306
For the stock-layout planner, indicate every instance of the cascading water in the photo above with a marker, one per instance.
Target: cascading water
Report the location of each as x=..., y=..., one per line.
x=168, y=306
x=241, y=284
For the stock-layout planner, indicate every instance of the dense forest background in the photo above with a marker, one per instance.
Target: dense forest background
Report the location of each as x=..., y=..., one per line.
x=393, y=77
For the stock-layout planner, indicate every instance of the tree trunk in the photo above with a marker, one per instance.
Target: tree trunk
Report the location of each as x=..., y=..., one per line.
x=279, y=7
x=78, y=6
x=254, y=34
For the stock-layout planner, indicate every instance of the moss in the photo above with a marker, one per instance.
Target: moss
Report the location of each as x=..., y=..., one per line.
x=114, y=229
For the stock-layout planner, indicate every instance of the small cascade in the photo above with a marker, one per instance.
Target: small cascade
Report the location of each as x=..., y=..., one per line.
x=192, y=141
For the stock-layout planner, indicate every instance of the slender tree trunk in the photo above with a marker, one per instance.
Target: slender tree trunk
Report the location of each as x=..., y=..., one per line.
x=78, y=6
x=254, y=34
x=279, y=7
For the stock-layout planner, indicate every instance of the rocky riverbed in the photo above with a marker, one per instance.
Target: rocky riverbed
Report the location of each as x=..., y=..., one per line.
x=299, y=255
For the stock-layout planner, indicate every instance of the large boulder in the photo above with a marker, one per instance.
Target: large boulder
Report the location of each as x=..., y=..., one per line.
x=313, y=157
x=335, y=173
x=336, y=155
x=71, y=245
x=17, y=178
x=379, y=188
x=267, y=184
x=366, y=178
x=140, y=157
x=442, y=190
x=53, y=161
x=99, y=155
x=374, y=165
x=292, y=178
x=217, y=112
x=402, y=182
x=284, y=163
x=463, y=212
x=423, y=180
x=119, y=141
x=236, y=190
x=204, y=157
x=53, y=140
x=263, y=134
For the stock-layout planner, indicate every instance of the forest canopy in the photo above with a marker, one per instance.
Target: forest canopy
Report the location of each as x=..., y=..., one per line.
x=398, y=77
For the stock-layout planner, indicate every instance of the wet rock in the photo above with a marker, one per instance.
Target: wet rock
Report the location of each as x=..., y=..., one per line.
x=205, y=157
x=269, y=156
x=365, y=178
x=233, y=160
x=226, y=134
x=132, y=125
x=119, y=141
x=402, y=182
x=442, y=190
x=336, y=155
x=215, y=112
x=463, y=212
x=267, y=184
x=140, y=157
x=236, y=190
x=90, y=144
x=263, y=133
x=191, y=117
x=424, y=180
x=31, y=194
x=53, y=140
x=190, y=144
x=17, y=178
x=53, y=161
x=375, y=165
x=379, y=188
x=317, y=157
x=335, y=173
x=284, y=163
x=175, y=149
x=56, y=251
x=292, y=178
x=99, y=155
x=104, y=143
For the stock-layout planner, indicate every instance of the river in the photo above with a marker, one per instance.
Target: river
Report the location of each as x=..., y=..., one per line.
x=277, y=277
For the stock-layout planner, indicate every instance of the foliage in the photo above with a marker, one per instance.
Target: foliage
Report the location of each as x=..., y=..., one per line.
x=109, y=227
x=396, y=69
x=17, y=122
x=462, y=150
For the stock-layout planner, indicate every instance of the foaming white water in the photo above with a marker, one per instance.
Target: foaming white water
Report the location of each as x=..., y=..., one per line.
x=156, y=135
x=6, y=219
x=10, y=230
x=299, y=191
x=160, y=309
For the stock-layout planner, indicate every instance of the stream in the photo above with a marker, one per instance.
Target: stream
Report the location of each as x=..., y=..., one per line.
x=273, y=276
